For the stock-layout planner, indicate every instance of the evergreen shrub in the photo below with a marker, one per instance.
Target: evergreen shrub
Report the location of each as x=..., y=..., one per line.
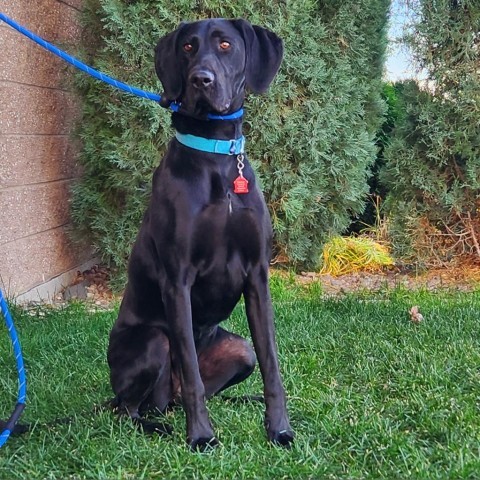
x=310, y=139
x=432, y=163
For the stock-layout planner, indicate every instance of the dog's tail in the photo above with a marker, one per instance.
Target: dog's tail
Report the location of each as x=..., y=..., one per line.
x=18, y=429
x=243, y=398
x=22, y=428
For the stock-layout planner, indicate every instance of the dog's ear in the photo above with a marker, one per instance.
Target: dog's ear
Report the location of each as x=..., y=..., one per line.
x=264, y=53
x=167, y=66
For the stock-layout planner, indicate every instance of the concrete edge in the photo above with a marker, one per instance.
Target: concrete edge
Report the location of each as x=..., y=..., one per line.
x=46, y=292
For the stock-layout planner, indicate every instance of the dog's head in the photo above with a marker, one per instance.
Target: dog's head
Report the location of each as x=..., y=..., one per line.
x=206, y=65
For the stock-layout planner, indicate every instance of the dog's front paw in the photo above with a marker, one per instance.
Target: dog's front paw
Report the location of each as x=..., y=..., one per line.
x=279, y=431
x=283, y=437
x=202, y=444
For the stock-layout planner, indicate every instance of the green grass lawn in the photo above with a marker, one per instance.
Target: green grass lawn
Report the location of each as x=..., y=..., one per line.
x=371, y=395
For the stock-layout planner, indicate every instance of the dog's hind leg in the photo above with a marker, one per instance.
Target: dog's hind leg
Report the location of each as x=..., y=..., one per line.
x=161, y=395
x=227, y=360
x=139, y=360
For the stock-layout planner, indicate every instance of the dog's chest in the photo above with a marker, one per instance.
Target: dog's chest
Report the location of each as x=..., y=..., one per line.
x=228, y=228
x=228, y=239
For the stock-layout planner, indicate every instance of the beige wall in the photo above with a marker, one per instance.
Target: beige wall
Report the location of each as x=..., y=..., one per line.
x=37, y=152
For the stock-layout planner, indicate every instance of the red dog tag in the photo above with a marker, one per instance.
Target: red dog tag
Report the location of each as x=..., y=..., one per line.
x=240, y=185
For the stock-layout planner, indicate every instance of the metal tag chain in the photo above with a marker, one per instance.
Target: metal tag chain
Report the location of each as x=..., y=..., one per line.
x=240, y=164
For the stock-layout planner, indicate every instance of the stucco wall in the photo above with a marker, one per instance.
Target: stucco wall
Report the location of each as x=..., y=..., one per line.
x=38, y=111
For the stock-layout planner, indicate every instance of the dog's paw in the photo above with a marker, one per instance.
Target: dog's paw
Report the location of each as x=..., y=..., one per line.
x=202, y=444
x=283, y=438
x=278, y=430
x=154, y=428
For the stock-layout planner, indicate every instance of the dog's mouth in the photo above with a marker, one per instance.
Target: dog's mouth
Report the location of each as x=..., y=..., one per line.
x=215, y=106
x=203, y=104
x=214, y=97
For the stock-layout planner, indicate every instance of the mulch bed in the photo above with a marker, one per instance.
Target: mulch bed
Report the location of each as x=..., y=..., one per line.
x=93, y=285
x=459, y=278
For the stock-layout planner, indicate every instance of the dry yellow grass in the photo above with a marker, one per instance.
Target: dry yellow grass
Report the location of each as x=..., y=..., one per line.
x=342, y=255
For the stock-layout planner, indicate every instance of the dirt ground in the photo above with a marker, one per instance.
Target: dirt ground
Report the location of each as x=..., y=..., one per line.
x=453, y=278
x=92, y=285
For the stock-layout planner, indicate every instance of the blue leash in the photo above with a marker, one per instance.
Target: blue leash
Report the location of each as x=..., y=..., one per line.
x=174, y=106
x=22, y=380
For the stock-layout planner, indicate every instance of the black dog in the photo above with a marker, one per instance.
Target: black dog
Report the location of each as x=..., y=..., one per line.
x=203, y=242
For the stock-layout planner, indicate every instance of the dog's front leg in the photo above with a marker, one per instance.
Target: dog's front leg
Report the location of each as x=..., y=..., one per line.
x=260, y=319
x=178, y=309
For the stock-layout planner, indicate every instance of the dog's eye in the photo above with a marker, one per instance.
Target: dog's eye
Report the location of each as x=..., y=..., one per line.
x=224, y=45
x=188, y=47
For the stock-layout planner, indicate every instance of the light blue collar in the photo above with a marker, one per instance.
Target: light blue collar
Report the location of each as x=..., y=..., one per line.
x=210, y=145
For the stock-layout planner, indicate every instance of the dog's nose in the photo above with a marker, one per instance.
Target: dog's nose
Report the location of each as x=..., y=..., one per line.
x=202, y=78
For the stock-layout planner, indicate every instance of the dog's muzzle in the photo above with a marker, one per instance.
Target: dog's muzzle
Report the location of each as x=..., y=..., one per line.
x=202, y=79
